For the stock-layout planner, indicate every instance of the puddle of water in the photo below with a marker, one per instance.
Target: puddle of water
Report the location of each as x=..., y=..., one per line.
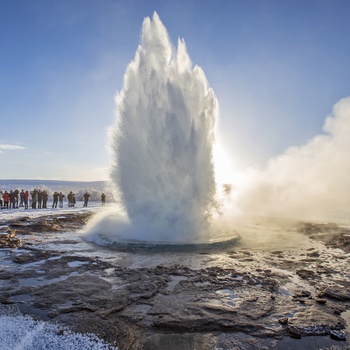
x=227, y=293
x=66, y=304
x=77, y=263
x=287, y=289
x=55, y=257
x=22, y=298
x=174, y=281
x=228, y=296
x=116, y=282
x=34, y=264
x=201, y=284
x=109, y=271
x=307, y=343
x=41, y=281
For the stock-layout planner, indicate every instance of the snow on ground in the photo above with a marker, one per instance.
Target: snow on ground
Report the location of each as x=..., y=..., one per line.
x=12, y=214
x=24, y=333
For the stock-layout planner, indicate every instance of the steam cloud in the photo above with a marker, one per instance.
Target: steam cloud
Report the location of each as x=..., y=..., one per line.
x=307, y=182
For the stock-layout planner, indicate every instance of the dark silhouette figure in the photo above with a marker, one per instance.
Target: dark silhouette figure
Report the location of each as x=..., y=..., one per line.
x=22, y=197
x=34, y=198
x=103, y=199
x=70, y=199
x=86, y=199
x=55, y=200
x=45, y=199
x=26, y=199
x=40, y=199
x=12, y=200
x=60, y=199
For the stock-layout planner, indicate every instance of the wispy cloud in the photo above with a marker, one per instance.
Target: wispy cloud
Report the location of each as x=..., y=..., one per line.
x=7, y=147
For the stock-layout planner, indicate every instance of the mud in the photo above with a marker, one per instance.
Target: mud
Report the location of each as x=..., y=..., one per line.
x=237, y=299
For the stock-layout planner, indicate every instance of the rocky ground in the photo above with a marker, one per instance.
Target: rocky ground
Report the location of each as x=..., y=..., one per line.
x=236, y=298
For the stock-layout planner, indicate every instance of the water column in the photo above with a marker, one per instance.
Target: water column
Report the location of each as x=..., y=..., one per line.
x=162, y=141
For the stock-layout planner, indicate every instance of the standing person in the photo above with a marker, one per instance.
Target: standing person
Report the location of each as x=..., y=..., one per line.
x=1, y=199
x=86, y=199
x=26, y=199
x=60, y=199
x=21, y=195
x=70, y=199
x=34, y=194
x=45, y=199
x=16, y=194
x=6, y=199
x=40, y=199
x=103, y=199
x=12, y=200
x=73, y=200
x=55, y=200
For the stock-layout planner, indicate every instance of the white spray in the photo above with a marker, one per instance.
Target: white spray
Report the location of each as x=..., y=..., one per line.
x=162, y=144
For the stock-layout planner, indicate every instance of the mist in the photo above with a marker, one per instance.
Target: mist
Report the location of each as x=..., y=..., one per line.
x=307, y=182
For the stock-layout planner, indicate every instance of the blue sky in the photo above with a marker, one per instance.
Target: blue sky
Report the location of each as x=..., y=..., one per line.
x=277, y=68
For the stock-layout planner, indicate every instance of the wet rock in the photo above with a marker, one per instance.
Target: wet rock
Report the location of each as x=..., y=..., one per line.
x=219, y=295
x=283, y=320
x=321, y=301
x=72, y=309
x=8, y=239
x=313, y=254
x=335, y=293
x=294, y=332
x=338, y=335
x=34, y=255
x=306, y=274
x=314, y=321
x=302, y=294
x=49, y=223
x=341, y=241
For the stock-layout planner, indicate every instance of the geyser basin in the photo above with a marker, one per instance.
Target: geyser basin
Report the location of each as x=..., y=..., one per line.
x=220, y=244
x=162, y=146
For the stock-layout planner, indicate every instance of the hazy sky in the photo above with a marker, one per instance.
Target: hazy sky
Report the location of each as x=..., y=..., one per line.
x=277, y=68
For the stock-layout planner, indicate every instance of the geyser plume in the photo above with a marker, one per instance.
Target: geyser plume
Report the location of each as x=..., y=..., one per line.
x=162, y=144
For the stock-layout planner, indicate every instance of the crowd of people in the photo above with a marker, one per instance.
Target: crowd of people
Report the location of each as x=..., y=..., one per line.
x=38, y=199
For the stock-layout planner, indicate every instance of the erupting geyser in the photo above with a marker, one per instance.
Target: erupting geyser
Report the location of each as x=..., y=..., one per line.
x=162, y=143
